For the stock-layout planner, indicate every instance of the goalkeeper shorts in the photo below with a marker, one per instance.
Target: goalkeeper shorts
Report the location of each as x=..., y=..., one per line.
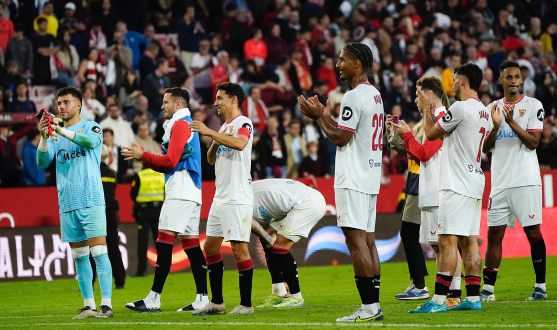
x=82, y=224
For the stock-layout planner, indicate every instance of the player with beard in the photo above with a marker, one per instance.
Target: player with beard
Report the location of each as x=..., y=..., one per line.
x=516, y=187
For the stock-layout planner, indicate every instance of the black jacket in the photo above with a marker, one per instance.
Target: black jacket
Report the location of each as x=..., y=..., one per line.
x=108, y=178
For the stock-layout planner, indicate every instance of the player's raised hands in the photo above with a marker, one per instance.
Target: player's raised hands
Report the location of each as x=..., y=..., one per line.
x=311, y=107
x=401, y=128
x=135, y=152
x=199, y=127
x=508, y=112
x=496, y=116
x=43, y=128
x=389, y=124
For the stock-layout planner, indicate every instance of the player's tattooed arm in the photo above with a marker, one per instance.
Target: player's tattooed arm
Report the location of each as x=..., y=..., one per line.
x=491, y=137
x=529, y=139
x=313, y=109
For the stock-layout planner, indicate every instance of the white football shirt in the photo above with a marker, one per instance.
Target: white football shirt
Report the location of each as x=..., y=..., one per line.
x=466, y=124
x=274, y=198
x=358, y=164
x=232, y=167
x=512, y=164
x=429, y=180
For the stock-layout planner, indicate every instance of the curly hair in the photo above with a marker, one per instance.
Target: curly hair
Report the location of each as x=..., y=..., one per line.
x=472, y=73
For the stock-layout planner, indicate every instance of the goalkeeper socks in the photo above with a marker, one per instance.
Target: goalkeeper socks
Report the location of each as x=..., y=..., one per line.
x=104, y=273
x=198, y=263
x=245, y=272
x=288, y=268
x=538, y=253
x=84, y=275
x=472, y=287
x=454, y=289
x=215, y=267
x=442, y=284
x=165, y=243
x=272, y=266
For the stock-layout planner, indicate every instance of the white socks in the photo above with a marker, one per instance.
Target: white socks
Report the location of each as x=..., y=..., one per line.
x=540, y=285
x=488, y=287
x=153, y=300
x=279, y=289
x=106, y=302
x=89, y=302
x=473, y=298
x=200, y=301
x=439, y=299
x=371, y=308
x=297, y=296
x=455, y=284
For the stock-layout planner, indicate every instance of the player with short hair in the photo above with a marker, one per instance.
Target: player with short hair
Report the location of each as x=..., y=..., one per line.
x=232, y=208
x=358, y=137
x=428, y=155
x=516, y=191
x=80, y=196
x=181, y=163
x=461, y=184
x=288, y=209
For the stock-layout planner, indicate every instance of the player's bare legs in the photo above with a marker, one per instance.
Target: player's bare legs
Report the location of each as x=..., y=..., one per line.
x=356, y=241
x=454, y=295
x=472, y=266
x=538, y=253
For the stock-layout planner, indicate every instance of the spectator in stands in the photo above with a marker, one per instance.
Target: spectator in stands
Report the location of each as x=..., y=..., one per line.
x=114, y=160
x=312, y=165
x=149, y=34
x=255, y=109
x=91, y=68
x=132, y=40
x=220, y=72
x=273, y=151
x=155, y=84
x=6, y=29
x=21, y=101
x=176, y=68
x=147, y=60
x=319, y=53
x=276, y=45
x=547, y=38
x=91, y=109
x=124, y=135
x=189, y=30
x=31, y=174
x=283, y=64
x=301, y=70
x=369, y=40
x=311, y=131
x=255, y=48
x=108, y=18
x=447, y=76
x=320, y=89
x=129, y=91
x=48, y=11
x=44, y=46
x=528, y=86
x=304, y=40
x=547, y=148
x=10, y=79
x=201, y=64
x=322, y=30
x=20, y=50
x=238, y=32
x=122, y=56
x=327, y=72
x=70, y=59
x=546, y=92
x=216, y=44
x=10, y=166
x=512, y=41
x=74, y=25
x=97, y=38
x=139, y=118
x=144, y=139
x=295, y=149
x=142, y=108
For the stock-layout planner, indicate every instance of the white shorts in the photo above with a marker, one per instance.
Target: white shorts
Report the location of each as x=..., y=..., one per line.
x=507, y=205
x=230, y=221
x=429, y=225
x=355, y=209
x=458, y=214
x=180, y=216
x=303, y=216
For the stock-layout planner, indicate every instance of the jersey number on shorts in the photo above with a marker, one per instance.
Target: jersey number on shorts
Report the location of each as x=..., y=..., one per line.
x=378, y=124
x=482, y=132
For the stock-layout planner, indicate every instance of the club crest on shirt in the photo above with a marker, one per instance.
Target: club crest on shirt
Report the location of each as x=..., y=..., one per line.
x=521, y=112
x=80, y=131
x=229, y=129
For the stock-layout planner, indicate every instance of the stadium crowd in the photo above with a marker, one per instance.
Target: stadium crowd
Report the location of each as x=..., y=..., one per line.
x=124, y=54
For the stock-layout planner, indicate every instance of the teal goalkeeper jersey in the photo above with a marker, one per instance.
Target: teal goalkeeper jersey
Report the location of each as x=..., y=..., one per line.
x=78, y=175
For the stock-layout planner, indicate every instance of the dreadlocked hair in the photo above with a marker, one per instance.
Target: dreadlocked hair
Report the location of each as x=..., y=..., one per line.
x=362, y=53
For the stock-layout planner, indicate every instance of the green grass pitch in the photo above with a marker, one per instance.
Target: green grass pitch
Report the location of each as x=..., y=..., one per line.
x=329, y=293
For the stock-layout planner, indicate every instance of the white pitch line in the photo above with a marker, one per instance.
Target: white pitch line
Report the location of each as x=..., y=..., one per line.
x=370, y=324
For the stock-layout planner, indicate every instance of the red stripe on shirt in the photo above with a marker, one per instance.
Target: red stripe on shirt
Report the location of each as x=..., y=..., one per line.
x=441, y=114
x=244, y=131
x=228, y=122
x=515, y=102
x=441, y=128
x=535, y=130
x=346, y=128
x=179, y=136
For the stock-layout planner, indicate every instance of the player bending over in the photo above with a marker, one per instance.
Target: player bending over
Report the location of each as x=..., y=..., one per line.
x=232, y=208
x=461, y=186
x=358, y=137
x=516, y=187
x=428, y=155
x=290, y=209
x=181, y=163
x=80, y=197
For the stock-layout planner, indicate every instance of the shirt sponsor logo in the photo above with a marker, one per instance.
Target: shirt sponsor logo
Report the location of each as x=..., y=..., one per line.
x=96, y=129
x=372, y=164
x=346, y=113
x=264, y=214
x=447, y=117
x=506, y=134
x=63, y=156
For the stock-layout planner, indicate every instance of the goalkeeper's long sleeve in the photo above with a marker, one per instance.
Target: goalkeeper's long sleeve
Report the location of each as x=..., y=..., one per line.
x=45, y=158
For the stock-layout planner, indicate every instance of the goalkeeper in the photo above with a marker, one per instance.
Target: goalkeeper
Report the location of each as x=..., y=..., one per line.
x=77, y=153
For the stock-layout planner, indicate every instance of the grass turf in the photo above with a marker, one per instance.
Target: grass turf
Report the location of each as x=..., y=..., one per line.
x=329, y=293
